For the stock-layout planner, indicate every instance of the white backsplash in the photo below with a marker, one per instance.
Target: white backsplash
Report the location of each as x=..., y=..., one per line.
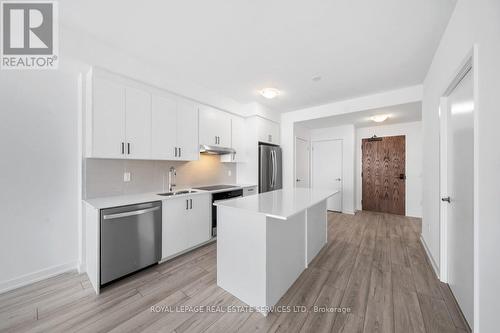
x=104, y=177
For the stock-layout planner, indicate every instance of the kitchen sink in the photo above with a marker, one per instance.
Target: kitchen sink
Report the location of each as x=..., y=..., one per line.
x=167, y=194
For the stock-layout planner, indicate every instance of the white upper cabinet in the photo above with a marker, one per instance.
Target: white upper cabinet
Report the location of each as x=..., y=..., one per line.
x=268, y=131
x=164, y=127
x=106, y=119
x=127, y=119
x=187, y=130
x=215, y=127
x=138, y=123
x=238, y=141
x=174, y=128
x=118, y=119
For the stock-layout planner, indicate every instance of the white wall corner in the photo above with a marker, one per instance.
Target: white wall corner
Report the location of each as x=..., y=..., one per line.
x=434, y=265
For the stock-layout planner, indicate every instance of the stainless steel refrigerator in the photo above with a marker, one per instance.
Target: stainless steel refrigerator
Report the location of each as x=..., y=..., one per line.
x=270, y=168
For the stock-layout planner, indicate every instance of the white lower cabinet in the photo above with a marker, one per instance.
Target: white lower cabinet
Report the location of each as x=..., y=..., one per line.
x=186, y=223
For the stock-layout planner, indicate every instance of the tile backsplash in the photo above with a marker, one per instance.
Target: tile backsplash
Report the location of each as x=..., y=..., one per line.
x=103, y=177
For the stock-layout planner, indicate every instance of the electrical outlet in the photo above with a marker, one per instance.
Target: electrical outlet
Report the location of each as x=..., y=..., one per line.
x=126, y=176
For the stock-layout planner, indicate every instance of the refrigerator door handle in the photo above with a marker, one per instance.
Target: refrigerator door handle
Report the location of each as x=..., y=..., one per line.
x=273, y=160
x=275, y=168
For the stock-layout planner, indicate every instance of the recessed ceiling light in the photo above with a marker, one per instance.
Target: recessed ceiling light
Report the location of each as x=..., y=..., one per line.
x=379, y=118
x=269, y=93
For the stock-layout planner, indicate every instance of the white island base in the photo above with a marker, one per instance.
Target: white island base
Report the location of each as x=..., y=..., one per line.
x=261, y=252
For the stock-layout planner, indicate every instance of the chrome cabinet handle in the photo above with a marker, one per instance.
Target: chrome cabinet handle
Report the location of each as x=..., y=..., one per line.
x=133, y=213
x=175, y=151
x=180, y=151
x=123, y=148
x=191, y=203
x=128, y=148
x=447, y=199
x=187, y=204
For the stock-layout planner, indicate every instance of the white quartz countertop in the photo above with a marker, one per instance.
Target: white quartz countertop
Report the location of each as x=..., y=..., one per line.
x=280, y=204
x=132, y=199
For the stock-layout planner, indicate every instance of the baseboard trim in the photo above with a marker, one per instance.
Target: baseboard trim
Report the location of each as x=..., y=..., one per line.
x=30, y=278
x=429, y=255
x=81, y=267
x=348, y=212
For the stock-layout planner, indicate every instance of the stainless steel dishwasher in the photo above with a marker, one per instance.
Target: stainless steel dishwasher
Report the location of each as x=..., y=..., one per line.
x=130, y=239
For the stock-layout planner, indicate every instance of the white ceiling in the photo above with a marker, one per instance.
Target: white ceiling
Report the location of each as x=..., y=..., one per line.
x=236, y=47
x=403, y=113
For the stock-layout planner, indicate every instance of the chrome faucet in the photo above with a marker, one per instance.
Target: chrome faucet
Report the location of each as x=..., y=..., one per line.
x=171, y=179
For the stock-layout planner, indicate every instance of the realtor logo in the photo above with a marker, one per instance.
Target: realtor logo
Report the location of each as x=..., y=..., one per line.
x=29, y=35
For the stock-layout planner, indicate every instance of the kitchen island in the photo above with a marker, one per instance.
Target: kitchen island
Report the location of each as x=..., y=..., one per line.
x=265, y=241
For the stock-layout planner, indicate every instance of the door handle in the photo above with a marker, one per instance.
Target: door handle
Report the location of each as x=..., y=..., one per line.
x=338, y=179
x=132, y=213
x=297, y=180
x=447, y=199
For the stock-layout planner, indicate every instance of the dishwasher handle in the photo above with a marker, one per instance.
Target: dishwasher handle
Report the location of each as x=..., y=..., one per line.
x=132, y=213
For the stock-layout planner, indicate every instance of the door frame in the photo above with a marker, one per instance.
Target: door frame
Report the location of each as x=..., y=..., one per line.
x=469, y=63
x=341, y=167
x=309, y=144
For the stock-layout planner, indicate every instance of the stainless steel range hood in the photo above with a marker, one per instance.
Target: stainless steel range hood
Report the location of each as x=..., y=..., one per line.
x=215, y=150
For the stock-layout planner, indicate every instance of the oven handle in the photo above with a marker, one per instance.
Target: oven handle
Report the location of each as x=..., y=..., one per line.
x=221, y=200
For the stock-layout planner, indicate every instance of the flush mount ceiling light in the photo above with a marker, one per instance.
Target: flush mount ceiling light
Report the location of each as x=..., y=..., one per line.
x=270, y=93
x=379, y=118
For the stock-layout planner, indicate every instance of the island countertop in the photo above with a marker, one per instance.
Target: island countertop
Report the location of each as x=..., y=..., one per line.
x=280, y=204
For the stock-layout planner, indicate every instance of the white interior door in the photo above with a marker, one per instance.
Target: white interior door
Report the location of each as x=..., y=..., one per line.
x=302, y=162
x=460, y=191
x=327, y=170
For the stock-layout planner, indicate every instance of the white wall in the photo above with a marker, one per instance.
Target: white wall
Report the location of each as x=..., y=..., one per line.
x=39, y=128
x=346, y=134
x=472, y=23
x=413, y=133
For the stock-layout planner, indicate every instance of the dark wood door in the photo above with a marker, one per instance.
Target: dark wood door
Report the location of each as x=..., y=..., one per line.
x=383, y=174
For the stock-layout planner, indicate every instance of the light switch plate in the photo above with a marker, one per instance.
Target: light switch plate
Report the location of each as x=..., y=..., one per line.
x=126, y=176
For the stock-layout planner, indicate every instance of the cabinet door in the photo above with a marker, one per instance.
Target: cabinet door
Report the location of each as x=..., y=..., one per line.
x=187, y=130
x=268, y=131
x=224, y=128
x=108, y=123
x=200, y=222
x=238, y=143
x=164, y=127
x=215, y=127
x=208, y=126
x=138, y=123
x=175, y=230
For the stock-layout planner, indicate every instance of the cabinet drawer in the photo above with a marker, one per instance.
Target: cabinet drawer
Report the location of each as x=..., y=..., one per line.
x=249, y=190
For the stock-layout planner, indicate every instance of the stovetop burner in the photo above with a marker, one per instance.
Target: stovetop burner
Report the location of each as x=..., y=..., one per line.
x=214, y=187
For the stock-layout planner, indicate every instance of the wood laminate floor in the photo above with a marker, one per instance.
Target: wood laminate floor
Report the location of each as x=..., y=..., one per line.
x=373, y=266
